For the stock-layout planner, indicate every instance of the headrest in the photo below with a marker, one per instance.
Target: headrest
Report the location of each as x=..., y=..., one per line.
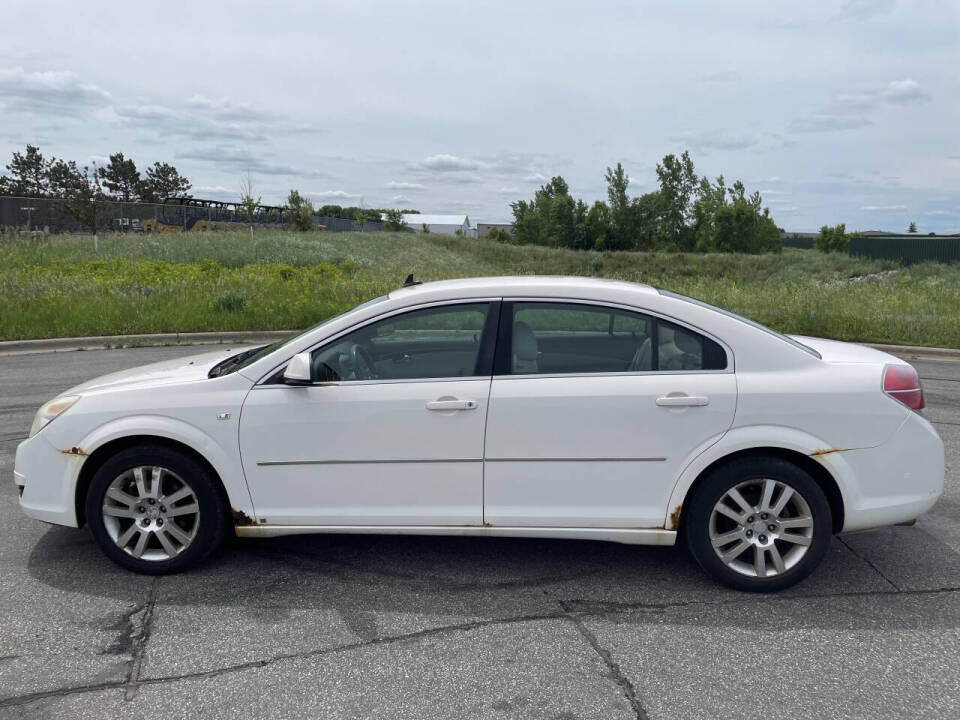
x=524, y=342
x=687, y=342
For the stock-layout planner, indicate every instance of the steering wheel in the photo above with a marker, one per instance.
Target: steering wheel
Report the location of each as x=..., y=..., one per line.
x=362, y=360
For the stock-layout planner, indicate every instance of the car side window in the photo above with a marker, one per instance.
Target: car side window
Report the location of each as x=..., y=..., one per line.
x=681, y=349
x=565, y=338
x=439, y=342
x=577, y=338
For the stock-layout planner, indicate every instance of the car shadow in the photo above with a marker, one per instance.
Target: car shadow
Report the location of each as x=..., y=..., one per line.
x=362, y=576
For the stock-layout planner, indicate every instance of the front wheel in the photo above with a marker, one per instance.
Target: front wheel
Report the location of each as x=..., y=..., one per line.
x=155, y=510
x=759, y=524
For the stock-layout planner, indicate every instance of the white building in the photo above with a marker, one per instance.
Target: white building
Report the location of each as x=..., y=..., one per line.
x=441, y=224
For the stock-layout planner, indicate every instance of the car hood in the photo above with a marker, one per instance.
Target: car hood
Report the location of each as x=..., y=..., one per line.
x=835, y=351
x=165, y=372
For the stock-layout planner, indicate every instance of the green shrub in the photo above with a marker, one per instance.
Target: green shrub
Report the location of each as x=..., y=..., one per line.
x=499, y=235
x=833, y=239
x=229, y=301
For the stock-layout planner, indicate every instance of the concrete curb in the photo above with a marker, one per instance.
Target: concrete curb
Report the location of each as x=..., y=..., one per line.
x=109, y=342
x=248, y=337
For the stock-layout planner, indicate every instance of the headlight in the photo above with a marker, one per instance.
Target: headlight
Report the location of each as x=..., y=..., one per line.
x=50, y=410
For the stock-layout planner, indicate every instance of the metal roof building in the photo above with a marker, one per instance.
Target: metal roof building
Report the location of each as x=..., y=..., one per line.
x=442, y=224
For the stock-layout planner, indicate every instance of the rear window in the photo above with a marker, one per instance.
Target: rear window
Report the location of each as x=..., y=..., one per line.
x=741, y=318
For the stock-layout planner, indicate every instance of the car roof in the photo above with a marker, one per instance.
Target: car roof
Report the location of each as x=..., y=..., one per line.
x=519, y=285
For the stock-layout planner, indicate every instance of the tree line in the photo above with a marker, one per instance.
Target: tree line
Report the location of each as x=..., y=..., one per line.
x=685, y=213
x=30, y=174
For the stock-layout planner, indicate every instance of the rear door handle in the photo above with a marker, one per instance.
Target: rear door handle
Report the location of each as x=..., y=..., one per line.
x=683, y=401
x=452, y=404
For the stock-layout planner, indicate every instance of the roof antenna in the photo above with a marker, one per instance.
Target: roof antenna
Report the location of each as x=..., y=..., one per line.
x=410, y=282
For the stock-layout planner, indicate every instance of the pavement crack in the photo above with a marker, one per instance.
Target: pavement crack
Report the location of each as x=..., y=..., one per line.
x=141, y=636
x=868, y=562
x=568, y=613
x=616, y=674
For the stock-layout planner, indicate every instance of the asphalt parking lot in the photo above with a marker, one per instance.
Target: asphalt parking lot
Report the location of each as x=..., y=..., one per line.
x=404, y=627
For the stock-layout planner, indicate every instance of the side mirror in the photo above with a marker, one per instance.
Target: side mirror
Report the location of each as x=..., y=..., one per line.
x=298, y=370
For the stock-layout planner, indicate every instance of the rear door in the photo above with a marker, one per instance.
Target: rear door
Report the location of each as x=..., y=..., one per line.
x=593, y=411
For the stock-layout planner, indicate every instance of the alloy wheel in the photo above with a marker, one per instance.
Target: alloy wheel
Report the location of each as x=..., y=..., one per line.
x=761, y=527
x=151, y=513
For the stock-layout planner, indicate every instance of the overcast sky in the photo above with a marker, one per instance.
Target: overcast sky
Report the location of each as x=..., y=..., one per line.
x=835, y=111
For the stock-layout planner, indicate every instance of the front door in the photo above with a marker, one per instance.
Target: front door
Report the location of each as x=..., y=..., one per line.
x=593, y=412
x=391, y=433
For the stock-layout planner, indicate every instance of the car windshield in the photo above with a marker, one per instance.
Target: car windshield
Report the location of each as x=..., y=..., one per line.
x=741, y=318
x=250, y=356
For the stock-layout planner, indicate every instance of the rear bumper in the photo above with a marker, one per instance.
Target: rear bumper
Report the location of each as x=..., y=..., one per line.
x=893, y=483
x=47, y=479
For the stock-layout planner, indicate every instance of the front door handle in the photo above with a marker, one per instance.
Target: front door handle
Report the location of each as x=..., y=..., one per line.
x=683, y=401
x=447, y=404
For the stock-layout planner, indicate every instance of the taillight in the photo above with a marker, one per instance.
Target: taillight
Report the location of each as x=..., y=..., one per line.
x=902, y=383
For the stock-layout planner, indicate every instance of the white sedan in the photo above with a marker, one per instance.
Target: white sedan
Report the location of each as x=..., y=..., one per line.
x=522, y=407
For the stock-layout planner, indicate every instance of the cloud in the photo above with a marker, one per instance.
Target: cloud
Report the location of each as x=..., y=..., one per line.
x=56, y=92
x=400, y=185
x=902, y=92
x=240, y=160
x=448, y=163
x=883, y=208
x=866, y=9
x=227, y=109
x=399, y=200
x=536, y=178
x=216, y=192
x=169, y=121
x=826, y=122
x=334, y=195
x=938, y=213
x=722, y=76
x=854, y=110
x=509, y=191
x=714, y=140
x=463, y=179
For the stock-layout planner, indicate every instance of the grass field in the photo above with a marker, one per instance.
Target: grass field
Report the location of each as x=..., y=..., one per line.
x=280, y=280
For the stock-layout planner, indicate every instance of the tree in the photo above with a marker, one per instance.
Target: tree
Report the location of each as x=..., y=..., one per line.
x=393, y=221
x=552, y=218
x=163, y=181
x=77, y=190
x=832, y=239
x=709, y=199
x=912, y=228
x=621, y=233
x=121, y=178
x=247, y=206
x=677, y=183
x=598, y=225
x=300, y=211
x=29, y=174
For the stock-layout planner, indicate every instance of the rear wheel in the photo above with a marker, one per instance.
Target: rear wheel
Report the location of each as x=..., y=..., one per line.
x=155, y=510
x=759, y=524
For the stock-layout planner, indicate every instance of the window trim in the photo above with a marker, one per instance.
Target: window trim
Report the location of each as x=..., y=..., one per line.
x=485, y=353
x=502, y=363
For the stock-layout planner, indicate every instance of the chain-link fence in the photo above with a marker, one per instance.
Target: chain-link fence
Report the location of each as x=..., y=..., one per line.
x=59, y=216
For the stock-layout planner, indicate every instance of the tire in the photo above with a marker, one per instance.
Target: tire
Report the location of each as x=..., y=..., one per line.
x=183, y=517
x=767, y=560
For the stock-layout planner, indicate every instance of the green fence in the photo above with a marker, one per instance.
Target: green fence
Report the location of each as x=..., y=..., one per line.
x=907, y=248
x=798, y=241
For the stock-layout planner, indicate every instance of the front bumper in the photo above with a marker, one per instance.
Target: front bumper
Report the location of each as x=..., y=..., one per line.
x=47, y=479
